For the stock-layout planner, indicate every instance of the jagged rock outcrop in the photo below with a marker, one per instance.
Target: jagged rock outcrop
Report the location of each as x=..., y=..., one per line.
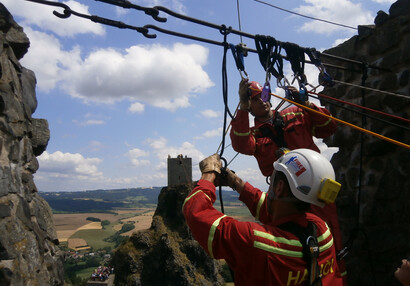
x=28, y=241
x=376, y=215
x=166, y=254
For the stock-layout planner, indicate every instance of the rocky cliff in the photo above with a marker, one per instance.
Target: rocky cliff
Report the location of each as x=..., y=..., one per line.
x=166, y=254
x=28, y=241
x=374, y=203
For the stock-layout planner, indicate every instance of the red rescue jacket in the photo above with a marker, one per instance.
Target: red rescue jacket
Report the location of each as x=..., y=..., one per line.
x=259, y=254
x=299, y=127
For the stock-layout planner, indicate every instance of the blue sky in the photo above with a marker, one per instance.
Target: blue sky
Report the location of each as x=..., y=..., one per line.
x=118, y=103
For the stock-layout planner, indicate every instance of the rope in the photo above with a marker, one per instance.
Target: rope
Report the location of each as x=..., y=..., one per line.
x=346, y=123
x=361, y=107
x=362, y=113
x=239, y=18
x=309, y=17
x=372, y=89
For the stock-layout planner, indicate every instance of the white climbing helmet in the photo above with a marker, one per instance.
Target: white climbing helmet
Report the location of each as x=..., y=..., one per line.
x=310, y=175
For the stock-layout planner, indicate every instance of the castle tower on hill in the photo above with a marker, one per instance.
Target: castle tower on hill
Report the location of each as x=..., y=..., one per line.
x=179, y=170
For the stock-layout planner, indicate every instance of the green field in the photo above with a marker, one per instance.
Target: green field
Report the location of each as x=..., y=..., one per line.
x=94, y=237
x=85, y=273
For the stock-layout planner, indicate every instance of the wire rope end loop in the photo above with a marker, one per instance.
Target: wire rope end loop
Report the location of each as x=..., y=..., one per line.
x=67, y=13
x=154, y=13
x=145, y=32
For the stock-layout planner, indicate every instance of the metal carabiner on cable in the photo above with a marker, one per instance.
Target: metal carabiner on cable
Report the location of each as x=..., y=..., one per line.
x=266, y=90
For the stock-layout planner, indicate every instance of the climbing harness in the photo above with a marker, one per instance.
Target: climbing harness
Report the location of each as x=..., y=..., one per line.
x=308, y=238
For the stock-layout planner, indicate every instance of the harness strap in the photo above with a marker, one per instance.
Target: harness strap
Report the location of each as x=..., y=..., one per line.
x=308, y=239
x=278, y=124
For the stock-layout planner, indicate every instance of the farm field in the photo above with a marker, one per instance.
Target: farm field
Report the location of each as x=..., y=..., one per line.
x=76, y=226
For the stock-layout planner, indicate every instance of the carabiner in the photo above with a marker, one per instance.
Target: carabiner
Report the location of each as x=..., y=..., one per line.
x=242, y=77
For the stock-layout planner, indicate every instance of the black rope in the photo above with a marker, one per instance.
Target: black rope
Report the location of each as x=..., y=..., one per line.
x=225, y=33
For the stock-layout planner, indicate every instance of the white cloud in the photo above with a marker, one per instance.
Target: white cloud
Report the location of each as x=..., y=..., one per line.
x=89, y=122
x=42, y=16
x=134, y=156
x=152, y=74
x=162, y=150
x=48, y=63
x=344, y=12
x=136, y=107
x=210, y=134
x=209, y=113
x=68, y=165
x=384, y=1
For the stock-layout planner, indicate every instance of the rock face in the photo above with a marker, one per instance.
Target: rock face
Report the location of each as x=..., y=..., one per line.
x=166, y=254
x=374, y=216
x=28, y=241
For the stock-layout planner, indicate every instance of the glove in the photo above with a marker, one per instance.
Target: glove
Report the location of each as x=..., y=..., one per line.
x=244, y=97
x=227, y=178
x=211, y=164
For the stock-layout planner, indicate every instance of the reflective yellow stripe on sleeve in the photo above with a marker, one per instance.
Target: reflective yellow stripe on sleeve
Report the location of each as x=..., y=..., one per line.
x=277, y=250
x=291, y=242
x=320, y=125
x=323, y=237
x=212, y=234
x=292, y=113
x=188, y=198
x=242, y=134
x=260, y=203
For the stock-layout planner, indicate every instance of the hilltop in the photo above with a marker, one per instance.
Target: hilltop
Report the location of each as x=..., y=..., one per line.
x=111, y=200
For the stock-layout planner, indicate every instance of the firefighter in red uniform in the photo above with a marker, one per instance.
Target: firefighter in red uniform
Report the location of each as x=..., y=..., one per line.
x=270, y=253
x=292, y=128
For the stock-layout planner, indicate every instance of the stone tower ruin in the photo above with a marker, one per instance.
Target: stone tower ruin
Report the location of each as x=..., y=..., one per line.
x=179, y=170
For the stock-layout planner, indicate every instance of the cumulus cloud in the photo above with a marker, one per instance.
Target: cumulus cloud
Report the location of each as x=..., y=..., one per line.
x=384, y=1
x=50, y=63
x=152, y=74
x=137, y=107
x=210, y=133
x=135, y=154
x=162, y=150
x=345, y=12
x=89, y=122
x=209, y=113
x=69, y=165
x=42, y=17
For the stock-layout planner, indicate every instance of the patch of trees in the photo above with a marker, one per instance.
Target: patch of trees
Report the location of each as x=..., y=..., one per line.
x=90, y=218
x=70, y=205
x=117, y=238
